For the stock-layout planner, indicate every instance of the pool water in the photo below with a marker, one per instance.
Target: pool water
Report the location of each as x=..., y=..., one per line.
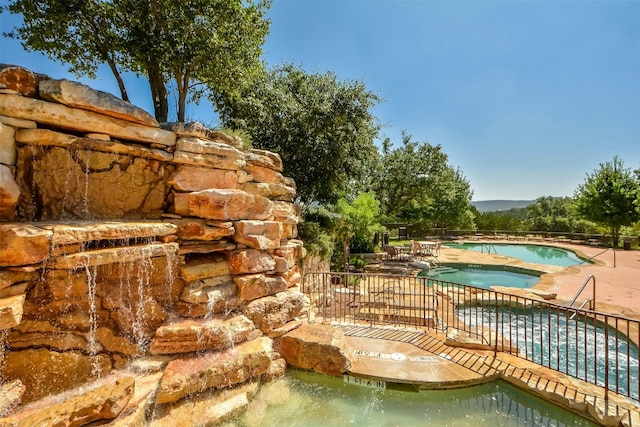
x=482, y=277
x=537, y=254
x=559, y=333
x=308, y=400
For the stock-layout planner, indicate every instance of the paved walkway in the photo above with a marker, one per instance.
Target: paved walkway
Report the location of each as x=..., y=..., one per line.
x=423, y=359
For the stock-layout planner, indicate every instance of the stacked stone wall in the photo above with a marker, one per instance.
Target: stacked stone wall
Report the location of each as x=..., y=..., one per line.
x=151, y=264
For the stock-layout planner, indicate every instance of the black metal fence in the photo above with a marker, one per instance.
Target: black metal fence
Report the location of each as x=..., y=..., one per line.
x=594, y=347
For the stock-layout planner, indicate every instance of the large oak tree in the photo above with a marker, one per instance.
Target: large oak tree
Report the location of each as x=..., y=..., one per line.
x=416, y=184
x=198, y=45
x=610, y=196
x=321, y=126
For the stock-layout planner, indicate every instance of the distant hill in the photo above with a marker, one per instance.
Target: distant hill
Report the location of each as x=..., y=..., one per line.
x=500, y=205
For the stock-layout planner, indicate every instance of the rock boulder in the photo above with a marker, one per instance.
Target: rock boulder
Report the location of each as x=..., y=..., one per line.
x=320, y=348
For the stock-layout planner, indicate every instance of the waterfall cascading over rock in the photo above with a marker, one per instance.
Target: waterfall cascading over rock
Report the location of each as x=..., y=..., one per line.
x=139, y=264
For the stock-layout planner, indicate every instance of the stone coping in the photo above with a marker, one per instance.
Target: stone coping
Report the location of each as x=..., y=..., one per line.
x=494, y=267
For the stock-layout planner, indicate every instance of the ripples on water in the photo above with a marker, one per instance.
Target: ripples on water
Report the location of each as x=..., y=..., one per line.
x=309, y=400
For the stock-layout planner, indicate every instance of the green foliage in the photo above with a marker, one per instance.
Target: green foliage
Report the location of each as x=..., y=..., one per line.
x=357, y=262
x=358, y=220
x=80, y=33
x=610, y=196
x=361, y=245
x=317, y=240
x=199, y=45
x=416, y=184
x=551, y=214
x=337, y=256
x=508, y=220
x=321, y=127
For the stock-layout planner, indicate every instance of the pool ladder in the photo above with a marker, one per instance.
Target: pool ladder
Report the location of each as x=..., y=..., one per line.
x=488, y=247
x=591, y=301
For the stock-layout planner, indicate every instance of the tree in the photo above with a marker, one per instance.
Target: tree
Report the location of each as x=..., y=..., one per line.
x=451, y=201
x=358, y=219
x=508, y=220
x=407, y=174
x=80, y=33
x=609, y=196
x=416, y=184
x=199, y=45
x=551, y=214
x=321, y=127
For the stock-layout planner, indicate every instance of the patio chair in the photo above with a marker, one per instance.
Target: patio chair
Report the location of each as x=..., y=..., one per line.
x=394, y=252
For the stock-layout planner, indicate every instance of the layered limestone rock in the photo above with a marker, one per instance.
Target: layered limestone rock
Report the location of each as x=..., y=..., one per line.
x=10, y=396
x=213, y=407
x=60, y=183
x=23, y=244
x=317, y=347
x=189, y=336
x=76, y=120
x=7, y=145
x=19, y=80
x=77, y=95
x=104, y=400
x=187, y=376
x=223, y=204
x=144, y=268
x=9, y=193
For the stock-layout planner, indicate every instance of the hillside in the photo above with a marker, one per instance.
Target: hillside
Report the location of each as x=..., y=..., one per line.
x=500, y=205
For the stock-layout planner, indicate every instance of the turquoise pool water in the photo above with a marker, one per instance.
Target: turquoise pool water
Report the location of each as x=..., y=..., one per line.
x=308, y=400
x=538, y=254
x=482, y=277
x=560, y=333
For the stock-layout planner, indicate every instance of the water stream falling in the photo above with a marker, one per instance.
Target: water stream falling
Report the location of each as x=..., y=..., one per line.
x=143, y=282
x=91, y=274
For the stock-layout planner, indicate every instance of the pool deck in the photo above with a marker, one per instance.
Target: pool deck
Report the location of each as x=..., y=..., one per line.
x=617, y=287
x=422, y=358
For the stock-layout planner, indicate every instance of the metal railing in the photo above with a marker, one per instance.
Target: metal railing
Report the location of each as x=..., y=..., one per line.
x=598, y=348
x=373, y=298
x=592, y=301
x=488, y=247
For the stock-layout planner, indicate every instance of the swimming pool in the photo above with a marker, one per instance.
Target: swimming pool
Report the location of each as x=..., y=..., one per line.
x=566, y=343
x=482, y=276
x=308, y=399
x=537, y=254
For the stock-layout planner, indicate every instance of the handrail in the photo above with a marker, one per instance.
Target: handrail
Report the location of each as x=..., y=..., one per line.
x=589, y=301
x=594, y=256
x=584, y=285
x=488, y=246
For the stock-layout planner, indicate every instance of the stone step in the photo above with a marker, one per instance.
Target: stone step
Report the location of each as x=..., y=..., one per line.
x=102, y=400
x=112, y=256
x=66, y=234
x=64, y=117
x=192, y=374
x=193, y=335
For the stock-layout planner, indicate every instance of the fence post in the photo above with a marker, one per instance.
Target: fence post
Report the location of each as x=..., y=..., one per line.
x=606, y=366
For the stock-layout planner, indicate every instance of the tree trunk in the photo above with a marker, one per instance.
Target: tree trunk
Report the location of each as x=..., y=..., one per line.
x=615, y=233
x=116, y=74
x=345, y=255
x=158, y=93
x=183, y=88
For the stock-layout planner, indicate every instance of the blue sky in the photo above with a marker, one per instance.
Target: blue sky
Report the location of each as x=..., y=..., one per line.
x=525, y=97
